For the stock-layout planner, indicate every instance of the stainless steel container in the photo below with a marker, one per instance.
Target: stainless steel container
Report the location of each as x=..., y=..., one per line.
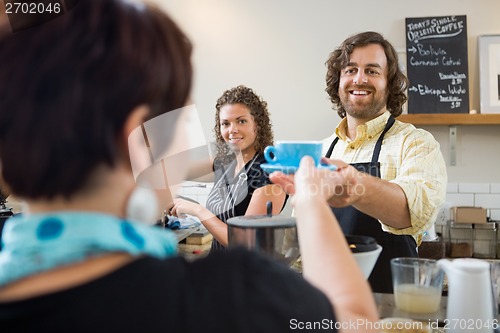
x=461, y=240
x=273, y=235
x=485, y=240
x=276, y=236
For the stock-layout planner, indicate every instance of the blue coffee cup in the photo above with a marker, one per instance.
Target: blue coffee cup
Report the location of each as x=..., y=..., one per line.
x=289, y=153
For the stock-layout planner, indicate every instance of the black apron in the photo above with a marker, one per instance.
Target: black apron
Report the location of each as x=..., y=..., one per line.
x=355, y=222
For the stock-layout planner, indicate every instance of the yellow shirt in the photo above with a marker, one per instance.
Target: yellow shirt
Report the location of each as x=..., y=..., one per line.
x=409, y=157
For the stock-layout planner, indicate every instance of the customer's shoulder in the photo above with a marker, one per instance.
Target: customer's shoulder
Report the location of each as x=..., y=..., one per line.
x=244, y=264
x=268, y=287
x=257, y=274
x=239, y=257
x=237, y=265
x=236, y=259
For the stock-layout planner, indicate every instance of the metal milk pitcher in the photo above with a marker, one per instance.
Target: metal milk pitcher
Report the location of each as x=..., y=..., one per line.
x=470, y=295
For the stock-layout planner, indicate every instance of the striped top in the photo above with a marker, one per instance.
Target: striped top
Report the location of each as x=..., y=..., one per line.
x=231, y=194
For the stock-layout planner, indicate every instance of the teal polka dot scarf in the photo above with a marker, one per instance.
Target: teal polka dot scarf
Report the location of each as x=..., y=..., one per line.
x=35, y=243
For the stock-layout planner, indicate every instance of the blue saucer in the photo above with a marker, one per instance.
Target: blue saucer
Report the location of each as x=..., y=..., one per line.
x=288, y=169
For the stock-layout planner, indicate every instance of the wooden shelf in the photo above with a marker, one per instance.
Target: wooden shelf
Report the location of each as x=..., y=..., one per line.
x=450, y=119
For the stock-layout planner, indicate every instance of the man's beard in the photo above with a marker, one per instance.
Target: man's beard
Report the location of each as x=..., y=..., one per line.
x=365, y=111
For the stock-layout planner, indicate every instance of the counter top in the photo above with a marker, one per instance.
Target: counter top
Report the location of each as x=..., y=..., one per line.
x=387, y=309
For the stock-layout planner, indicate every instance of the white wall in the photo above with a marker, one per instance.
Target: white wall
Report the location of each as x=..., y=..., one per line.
x=279, y=47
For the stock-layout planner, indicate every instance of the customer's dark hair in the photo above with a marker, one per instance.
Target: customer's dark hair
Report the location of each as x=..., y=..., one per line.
x=67, y=87
x=397, y=82
x=258, y=109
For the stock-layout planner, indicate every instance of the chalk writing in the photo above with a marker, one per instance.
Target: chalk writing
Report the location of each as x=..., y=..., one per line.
x=436, y=57
x=434, y=28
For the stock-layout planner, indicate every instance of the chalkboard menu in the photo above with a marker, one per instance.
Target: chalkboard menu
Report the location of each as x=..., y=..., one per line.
x=437, y=64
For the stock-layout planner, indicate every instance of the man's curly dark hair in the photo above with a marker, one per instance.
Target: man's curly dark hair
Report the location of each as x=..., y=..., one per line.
x=397, y=82
x=258, y=109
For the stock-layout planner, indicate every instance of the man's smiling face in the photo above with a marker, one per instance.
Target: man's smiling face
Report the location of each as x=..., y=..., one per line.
x=363, y=82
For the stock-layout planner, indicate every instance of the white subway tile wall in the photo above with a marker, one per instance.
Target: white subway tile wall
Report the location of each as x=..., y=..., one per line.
x=459, y=199
x=495, y=188
x=452, y=188
x=473, y=188
x=483, y=195
x=495, y=214
x=491, y=201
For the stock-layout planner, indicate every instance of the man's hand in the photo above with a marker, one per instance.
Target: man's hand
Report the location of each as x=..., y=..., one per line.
x=340, y=188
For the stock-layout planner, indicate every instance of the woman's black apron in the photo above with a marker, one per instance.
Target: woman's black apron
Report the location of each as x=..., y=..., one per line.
x=354, y=222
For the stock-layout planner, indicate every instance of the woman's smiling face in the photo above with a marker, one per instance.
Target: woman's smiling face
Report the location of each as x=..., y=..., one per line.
x=238, y=127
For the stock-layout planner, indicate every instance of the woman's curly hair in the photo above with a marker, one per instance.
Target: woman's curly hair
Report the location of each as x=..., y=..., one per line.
x=258, y=110
x=397, y=82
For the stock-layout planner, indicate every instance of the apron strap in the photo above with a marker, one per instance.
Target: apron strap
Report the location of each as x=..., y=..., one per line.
x=332, y=145
x=378, y=145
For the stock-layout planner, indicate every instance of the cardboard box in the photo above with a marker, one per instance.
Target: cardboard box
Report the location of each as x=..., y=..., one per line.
x=461, y=250
x=199, y=238
x=469, y=215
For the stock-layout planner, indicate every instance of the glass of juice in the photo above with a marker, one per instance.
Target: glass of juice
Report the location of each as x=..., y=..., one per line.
x=418, y=284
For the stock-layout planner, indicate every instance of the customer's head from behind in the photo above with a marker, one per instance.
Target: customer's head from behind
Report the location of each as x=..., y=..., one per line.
x=69, y=87
x=242, y=122
x=383, y=80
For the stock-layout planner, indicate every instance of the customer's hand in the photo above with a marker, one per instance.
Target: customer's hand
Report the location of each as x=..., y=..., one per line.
x=347, y=183
x=339, y=188
x=311, y=182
